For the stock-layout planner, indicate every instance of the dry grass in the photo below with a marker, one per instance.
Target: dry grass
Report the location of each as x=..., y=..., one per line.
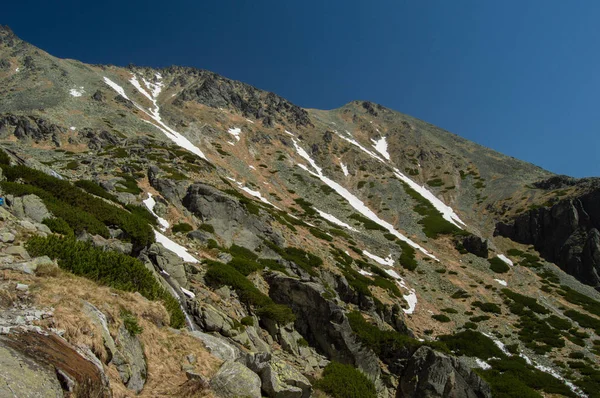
x=164, y=348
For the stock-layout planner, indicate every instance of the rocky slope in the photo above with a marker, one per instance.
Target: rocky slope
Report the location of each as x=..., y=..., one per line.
x=277, y=250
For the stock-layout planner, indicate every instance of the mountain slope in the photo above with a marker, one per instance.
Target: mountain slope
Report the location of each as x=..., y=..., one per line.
x=300, y=237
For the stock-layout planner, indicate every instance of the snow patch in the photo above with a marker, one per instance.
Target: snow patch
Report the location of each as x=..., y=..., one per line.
x=354, y=201
x=150, y=203
x=174, y=247
x=344, y=169
x=483, y=364
x=17, y=70
x=381, y=147
x=556, y=375
x=77, y=92
x=249, y=121
x=393, y=274
x=500, y=281
x=389, y=261
x=362, y=148
x=155, y=89
x=252, y=167
x=505, y=259
x=231, y=143
x=235, y=131
x=366, y=273
x=499, y=344
x=288, y=133
x=72, y=128
x=188, y=293
x=335, y=220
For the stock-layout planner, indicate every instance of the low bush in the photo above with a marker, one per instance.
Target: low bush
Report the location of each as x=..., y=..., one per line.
x=472, y=344
x=487, y=307
x=59, y=226
x=526, y=301
x=498, y=266
x=95, y=189
x=207, y=227
x=131, y=323
x=584, y=320
x=367, y=223
x=108, y=268
x=441, y=318
x=407, y=257
x=182, y=227
x=320, y=234
x=344, y=381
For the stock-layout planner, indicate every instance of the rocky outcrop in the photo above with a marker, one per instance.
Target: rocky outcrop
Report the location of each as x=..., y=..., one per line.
x=430, y=374
x=229, y=217
x=210, y=89
x=279, y=379
x=475, y=245
x=30, y=128
x=132, y=367
x=166, y=260
x=235, y=380
x=566, y=234
x=322, y=323
x=42, y=354
x=29, y=206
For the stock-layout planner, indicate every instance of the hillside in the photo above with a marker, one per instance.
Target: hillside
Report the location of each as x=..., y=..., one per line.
x=178, y=233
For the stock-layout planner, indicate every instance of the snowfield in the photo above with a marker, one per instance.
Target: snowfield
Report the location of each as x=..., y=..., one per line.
x=174, y=247
x=389, y=261
x=77, y=92
x=381, y=147
x=235, y=131
x=505, y=259
x=335, y=220
x=150, y=203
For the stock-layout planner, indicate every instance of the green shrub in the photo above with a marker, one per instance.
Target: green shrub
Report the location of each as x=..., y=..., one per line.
x=4, y=158
x=219, y=274
x=242, y=252
x=441, y=318
x=305, y=260
x=320, y=234
x=95, y=189
x=72, y=165
x=449, y=310
x=108, y=268
x=487, y=307
x=59, y=226
x=247, y=321
x=181, y=227
x=207, y=227
x=128, y=185
x=584, y=320
x=344, y=381
x=526, y=301
x=435, y=182
x=460, y=294
x=131, y=323
x=585, y=302
x=498, y=266
x=472, y=344
x=367, y=223
x=407, y=257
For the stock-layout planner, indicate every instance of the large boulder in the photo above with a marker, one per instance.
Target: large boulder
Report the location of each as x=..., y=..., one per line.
x=235, y=380
x=322, y=322
x=29, y=206
x=229, y=217
x=166, y=260
x=218, y=346
x=279, y=379
x=430, y=374
x=134, y=371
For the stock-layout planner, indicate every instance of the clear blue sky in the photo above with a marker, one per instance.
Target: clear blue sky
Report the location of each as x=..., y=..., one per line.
x=521, y=77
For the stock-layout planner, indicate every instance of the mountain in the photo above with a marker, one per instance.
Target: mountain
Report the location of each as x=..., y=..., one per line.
x=171, y=232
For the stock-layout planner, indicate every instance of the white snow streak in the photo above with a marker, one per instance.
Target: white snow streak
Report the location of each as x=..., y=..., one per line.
x=335, y=220
x=482, y=364
x=366, y=273
x=389, y=261
x=249, y=121
x=500, y=281
x=235, y=131
x=174, y=247
x=505, y=259
x=288, y=133
x=155, y=89
x=381, y=147
x=17, y=70
x=499, y=344
x=411, y=297
x=72, y=128
x=77, y=92
x=150, y=203
x=344, y=169
x=354, y=201
x=365, y=150
x=188, y=293
x=252, y=167
x=256, y=194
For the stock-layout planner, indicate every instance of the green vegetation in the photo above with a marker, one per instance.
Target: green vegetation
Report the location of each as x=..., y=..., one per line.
x=441, y=318
x=527, y=260
x=82, y=211
x=131, y=323
x=367, y=223
x=108, y=268
x=182, y=227
x=487, y=307
x=128, y=185
x=433, y=222
x=306, y=206
x=247, y=321
x=584, y=320
x=525, y=301
x=344, y=381
x=407, y=257
x=537, y=334
x=305, y=260
x=498, y=266
x=320, y=234
x=207, y=227
x=472, y=344
x=587, y=303
x=220, y=274
x=435, y=182
x=59, y=226
x=95, y=189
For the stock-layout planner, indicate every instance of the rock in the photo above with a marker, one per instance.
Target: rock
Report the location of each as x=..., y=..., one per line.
x=279, y=379
x=429, y=373
x=17, y=251
x=30, y=206
x=322, y=322
x=218, y=346
x=98, y=96
x=565, y=234
x=22, y=287
x=133, y=352
x=28, y=267
x=24, y=377
x=201, y=236
x=7, y=237
x=229, y=217
x=475, y=245
x=235, y=380
x=27, y=225
x=224, y=257
x=168, y=261
x=212, y=320
x=99, y=319
x=191, y=358
x=204, y=383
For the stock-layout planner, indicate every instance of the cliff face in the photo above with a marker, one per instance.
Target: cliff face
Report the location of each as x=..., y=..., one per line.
x=566, y=234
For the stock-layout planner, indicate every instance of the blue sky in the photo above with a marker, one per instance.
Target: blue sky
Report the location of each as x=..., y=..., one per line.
x=520, y=77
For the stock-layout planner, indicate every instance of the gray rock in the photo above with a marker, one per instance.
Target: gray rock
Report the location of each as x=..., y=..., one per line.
x=212, y=320
x=30, y=206
x=23, y=377
x=17, y=251
x=22, y=287
x=279, y=379
x=201, y=236
x=430, y=374
x=218, y=346
x=132, y=350
x=7, y=237
x=28, y=267
x=168, y=261
x=235, y=380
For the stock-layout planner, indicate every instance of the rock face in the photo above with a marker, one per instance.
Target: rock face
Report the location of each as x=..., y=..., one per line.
x=322, y=322
x=29, y=206
x=30, y=128
x=475, y=245
x=566, y=234
x=134, y=371
x=279, y=379
x=235, y=380
x=430, y=374
x=229, y=217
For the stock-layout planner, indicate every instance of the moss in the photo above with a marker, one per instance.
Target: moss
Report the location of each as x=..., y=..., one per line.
x=181, y=227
